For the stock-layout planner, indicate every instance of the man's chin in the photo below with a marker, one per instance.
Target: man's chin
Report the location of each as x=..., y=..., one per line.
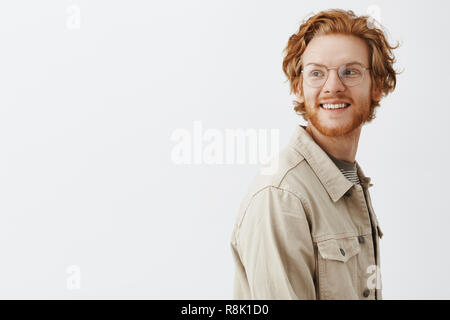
x=334, y=130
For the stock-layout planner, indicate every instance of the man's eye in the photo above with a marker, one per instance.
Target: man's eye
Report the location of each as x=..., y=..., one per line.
x=351, y=72
x=316, y=73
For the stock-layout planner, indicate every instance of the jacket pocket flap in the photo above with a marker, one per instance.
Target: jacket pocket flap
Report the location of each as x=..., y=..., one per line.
x=339, y=249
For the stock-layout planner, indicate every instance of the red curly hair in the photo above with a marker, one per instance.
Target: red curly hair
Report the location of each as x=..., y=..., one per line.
x=338, y=21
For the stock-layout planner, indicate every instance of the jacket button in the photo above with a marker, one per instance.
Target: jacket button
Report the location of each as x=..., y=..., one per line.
x=366, y=293
x=348, y=193
x=342, y=251
x=361, y=239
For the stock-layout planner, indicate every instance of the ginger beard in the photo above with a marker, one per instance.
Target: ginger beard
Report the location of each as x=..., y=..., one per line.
x=335, y=124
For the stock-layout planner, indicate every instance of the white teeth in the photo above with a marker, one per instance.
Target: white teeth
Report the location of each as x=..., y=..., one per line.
x=334, y=106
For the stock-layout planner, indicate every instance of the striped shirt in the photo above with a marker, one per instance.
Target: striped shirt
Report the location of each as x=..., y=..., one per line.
x=348, y=169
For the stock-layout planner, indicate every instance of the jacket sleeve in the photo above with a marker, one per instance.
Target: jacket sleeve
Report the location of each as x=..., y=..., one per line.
x=276, y=248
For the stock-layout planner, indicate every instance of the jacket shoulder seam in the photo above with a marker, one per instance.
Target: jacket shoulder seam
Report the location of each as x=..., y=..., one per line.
x=292, y=167
x=298, y=196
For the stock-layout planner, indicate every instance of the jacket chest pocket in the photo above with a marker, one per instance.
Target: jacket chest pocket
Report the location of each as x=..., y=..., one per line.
x=338, y=268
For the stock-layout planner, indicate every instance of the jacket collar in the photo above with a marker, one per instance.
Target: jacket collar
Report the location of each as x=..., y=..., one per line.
x=329, y=175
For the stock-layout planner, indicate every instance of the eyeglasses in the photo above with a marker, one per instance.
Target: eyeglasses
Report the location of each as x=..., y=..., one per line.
x=351, y=74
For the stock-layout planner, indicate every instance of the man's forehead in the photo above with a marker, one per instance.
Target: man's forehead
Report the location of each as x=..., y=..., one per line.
x=334, y=50
x=347, y=62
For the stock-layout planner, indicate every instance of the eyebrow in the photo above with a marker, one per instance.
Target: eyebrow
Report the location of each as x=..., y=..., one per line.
x=322, y=65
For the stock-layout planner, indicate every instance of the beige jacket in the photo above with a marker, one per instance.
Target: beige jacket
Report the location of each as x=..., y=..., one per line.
x=306, y=232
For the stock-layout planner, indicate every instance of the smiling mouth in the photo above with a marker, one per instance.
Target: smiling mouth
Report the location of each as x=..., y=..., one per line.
x=335, y=107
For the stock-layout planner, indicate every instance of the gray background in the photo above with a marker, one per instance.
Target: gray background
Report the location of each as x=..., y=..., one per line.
x=86, y=118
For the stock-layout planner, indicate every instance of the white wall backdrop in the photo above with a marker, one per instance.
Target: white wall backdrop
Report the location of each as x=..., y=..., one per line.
x=93, y=93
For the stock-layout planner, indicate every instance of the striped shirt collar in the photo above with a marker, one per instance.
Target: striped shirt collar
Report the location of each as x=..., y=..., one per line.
x=348, y=169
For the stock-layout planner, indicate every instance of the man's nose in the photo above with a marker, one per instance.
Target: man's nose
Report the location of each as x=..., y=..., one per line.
x=333, y=83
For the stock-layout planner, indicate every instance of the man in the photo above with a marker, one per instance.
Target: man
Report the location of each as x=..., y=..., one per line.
x=309, y=231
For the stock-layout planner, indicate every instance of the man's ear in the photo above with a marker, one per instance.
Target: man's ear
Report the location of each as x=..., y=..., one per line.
x=298, y=95
x=376, y=93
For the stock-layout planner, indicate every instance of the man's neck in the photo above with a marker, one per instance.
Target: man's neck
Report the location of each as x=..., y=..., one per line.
x=342, y=148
